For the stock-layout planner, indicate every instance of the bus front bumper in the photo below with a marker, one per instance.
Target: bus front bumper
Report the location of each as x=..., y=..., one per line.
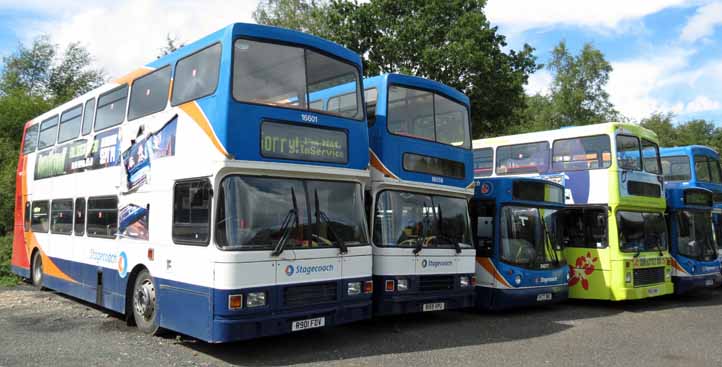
x=488, y=298
x=415, y=300
x=277, y=323
x=691, y=283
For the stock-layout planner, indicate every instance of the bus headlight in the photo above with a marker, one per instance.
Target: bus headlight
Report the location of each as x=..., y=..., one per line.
x=256, y=299
x=568, y=276
x=402, y=285
x=464, y=281
x=354, y=288
x=517, y=279
x=628, y=277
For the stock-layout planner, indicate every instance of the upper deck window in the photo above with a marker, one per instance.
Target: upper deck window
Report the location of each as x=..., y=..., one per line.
x=149, y=93
x=522, y=158
x=289, y=76
x=628, y=153
x=650, y=152
x=111, y=108
x=676, y=168
x=70, y=124
x=590, y=152
x=48, y=132
x=483, y=162
x=196, y=75
x=88, y=116
x=425, y=115
x=31, y=139
x=707, y=169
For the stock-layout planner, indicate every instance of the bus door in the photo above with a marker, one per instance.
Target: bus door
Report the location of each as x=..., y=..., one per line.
x=583, y=232
x=482, y=225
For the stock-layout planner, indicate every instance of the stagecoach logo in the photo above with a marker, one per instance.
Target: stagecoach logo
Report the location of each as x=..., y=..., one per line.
x=546, y=279
x=435, y=264
x=308, y=270
x=122, y=265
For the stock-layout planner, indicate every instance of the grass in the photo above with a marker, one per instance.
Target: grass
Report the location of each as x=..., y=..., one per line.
x=7, y=278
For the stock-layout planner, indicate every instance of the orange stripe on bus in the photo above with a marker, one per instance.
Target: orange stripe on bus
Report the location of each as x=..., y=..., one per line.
x=135, y=74
x=195, y=113
x=49, y=267
x=489, y=267
x=676, y=265
x=376, y=163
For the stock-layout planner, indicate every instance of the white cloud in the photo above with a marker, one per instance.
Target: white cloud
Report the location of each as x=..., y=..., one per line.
x=702, y=104
x=123, y=36
x=539, y=82
x=521, y=15
x=702, y=24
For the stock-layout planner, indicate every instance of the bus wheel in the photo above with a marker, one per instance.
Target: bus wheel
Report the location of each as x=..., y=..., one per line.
x=37, y=271
x=145, y=303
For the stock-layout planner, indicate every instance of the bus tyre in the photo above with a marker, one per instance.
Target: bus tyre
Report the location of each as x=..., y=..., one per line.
x=36, y=275
x=145, y=303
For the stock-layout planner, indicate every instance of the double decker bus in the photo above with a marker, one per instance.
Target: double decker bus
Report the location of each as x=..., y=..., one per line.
x=695, y=262
x=613, y=230
x=519, y=257
x=204, y=193
x=677, y=166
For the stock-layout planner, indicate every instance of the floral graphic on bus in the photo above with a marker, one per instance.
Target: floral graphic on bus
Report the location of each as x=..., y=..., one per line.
x=583, y=268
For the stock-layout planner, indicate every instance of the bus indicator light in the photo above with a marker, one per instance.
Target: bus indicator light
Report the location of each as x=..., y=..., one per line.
x=368, y=286
x=235, y=301
x=151, y=254
x=390, y=285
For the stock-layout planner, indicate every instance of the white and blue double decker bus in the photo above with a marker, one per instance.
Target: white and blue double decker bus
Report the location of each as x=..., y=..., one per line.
x=421, y=181
x=695, y=263
x=698, y=166
x=205, y=193
x=517, y=233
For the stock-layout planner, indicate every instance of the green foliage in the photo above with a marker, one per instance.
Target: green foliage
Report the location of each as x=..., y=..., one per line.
x=32, y=81
x=577, y=95
x=6, y=248
x=661, y=123
x=699, y=132
x=448, y=41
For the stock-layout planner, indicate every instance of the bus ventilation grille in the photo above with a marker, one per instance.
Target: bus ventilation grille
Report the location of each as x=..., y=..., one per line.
x=312, y=294
x=436, y=283
x=644, y=189
x=643, y=277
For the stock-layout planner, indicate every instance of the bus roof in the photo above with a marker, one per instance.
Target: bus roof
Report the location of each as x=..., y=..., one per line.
x=418, y=82
x=688, y=150
x=568, y=132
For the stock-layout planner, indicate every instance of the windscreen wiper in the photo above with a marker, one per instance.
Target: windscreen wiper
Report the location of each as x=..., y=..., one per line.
x=286, y=226
x=321, y=216
x=548, y=239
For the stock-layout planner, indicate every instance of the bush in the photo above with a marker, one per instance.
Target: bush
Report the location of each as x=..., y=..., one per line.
x=6, y=249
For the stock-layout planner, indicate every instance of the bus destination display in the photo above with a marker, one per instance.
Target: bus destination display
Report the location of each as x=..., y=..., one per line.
x=303, y=143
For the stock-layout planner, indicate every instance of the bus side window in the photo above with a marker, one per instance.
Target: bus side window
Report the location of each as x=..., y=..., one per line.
x=79, y=223
x=27, y=217
x=39, y=217
x=371, y=95
x=192, y=212
x=103, y=217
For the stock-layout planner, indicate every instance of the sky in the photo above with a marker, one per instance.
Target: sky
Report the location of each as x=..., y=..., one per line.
x=666, y=54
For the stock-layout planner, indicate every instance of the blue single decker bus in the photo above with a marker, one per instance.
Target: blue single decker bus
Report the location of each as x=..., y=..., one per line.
x=519, y=242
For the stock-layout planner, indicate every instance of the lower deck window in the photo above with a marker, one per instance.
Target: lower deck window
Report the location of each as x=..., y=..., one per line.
x=61, y=216
x=102, y=217
x=39, y=217
x=192, y=211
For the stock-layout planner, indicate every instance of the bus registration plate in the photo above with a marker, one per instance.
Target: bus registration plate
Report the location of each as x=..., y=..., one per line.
x=308, y=324
x=709, y=282
x=543, y=297
x=653, y=291
x=433, y=306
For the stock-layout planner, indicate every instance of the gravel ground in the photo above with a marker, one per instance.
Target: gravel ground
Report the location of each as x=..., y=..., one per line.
x=44, y=328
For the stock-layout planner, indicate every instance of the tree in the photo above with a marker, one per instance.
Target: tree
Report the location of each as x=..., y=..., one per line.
x=32, y=81
x=661, y=123
x=171, y=44
x=448, y=41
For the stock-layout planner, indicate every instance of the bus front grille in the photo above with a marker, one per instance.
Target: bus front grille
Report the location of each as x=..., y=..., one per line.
x=643, y=277
x=312, y=294
x=436, y=283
